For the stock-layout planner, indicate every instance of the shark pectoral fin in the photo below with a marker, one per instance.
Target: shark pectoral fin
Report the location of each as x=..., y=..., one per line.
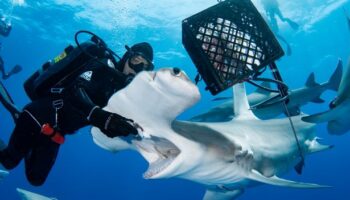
x=274, y=180
x=314, y=146
x=324, y=116
x=222, y=194
x=204, y=135
x=317, y=100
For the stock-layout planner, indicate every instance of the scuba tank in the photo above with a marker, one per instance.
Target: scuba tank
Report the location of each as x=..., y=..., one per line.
x=66, y=67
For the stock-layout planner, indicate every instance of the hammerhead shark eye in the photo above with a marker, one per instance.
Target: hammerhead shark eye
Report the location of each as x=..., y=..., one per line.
x=176, y=71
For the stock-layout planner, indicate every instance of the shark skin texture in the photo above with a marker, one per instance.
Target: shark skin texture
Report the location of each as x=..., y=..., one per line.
x=337, y=118
x=27, y=195
x=226, y=157
x=297, y=98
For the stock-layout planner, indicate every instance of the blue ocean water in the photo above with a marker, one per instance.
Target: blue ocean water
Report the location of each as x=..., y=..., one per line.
x=41, y=29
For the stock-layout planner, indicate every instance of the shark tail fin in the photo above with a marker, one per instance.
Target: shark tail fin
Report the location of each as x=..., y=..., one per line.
x=336, y=77
x=274, y=180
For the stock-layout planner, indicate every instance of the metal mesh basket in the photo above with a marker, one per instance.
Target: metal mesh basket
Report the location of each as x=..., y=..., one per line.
x=229, y=43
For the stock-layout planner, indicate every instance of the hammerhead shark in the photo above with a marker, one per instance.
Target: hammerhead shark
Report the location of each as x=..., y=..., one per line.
x=226, y=157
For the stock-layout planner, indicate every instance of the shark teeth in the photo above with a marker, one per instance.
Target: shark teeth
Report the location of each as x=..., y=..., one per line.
x=157, y=166
x=159, y=153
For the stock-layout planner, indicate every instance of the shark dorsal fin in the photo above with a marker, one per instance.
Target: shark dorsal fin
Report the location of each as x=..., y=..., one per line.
x=240, y=103
x=311, y=81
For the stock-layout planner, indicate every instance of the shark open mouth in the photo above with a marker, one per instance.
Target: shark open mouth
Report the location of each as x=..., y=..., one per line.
x=159, y=153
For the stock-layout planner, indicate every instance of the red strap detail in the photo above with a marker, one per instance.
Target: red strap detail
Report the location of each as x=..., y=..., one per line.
x=55, y=136
x=46, y=129
x=58, y=138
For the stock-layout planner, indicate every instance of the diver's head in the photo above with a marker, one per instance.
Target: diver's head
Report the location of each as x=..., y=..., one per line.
x=137, y=58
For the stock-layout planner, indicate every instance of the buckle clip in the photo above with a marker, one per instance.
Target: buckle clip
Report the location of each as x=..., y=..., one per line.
x=57, y=90
x=57, y=104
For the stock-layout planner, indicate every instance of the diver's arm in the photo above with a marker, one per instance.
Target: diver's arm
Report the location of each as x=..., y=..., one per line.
x=110, y=124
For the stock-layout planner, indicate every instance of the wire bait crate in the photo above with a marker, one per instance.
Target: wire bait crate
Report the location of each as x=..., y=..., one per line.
x=229, y=43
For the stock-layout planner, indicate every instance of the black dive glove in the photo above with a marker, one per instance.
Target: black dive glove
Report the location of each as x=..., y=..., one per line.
x=111, y=124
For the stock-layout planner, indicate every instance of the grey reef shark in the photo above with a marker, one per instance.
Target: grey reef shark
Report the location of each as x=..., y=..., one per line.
x=298, y=97
x=338, y=116
x=226, y=157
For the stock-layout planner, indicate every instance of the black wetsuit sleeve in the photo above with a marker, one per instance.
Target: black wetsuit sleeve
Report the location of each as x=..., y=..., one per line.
x=94, y=87
x=91, y=91
x=83, y=85
x=82, y=101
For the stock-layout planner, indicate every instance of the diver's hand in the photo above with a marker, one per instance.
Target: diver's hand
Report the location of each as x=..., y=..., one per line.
x=111, y=124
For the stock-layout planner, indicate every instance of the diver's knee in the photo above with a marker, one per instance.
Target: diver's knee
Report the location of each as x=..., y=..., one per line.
x=36, y=181
x=34, y=177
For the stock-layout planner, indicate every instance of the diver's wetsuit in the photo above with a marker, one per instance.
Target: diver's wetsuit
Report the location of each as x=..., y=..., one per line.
x=94, y=87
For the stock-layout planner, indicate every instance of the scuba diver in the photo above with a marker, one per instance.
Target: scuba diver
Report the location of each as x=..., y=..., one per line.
x=43, y=123
x=273, y=11
x=5, y=27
